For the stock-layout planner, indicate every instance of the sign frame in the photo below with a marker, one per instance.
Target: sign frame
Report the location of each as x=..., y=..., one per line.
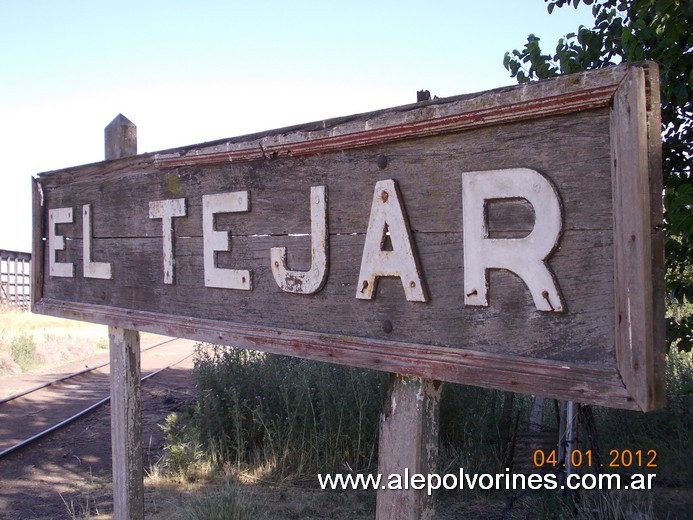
x=635, y=379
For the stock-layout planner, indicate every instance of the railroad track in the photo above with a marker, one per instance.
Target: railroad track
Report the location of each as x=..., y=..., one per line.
x=33, y=413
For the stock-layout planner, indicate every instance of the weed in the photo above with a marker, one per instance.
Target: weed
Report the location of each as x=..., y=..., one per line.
x=298, y=416
x=276, y=417
x=183, y=456
x=227, y=503
x=679, y=372
x=23, y=348
x=84, y=508
x=269, y=418
x=29, y=341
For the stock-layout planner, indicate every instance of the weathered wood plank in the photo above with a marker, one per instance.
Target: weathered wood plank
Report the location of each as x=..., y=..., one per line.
x=562, y=130
x=557, y=379
x=408, y=445
x=634, y=221
x=430, y=183
x=656, y=183
x=442, y=321
x=126, y=424
x=473, y=111
x=37, y=243
x=124, y=349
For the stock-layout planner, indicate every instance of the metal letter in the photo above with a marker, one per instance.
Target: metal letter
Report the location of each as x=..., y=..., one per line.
x=306, y=282
x=388, y=216
x=57, y=242
x=166, y=210
x=102, y=270
x=526, y=257
x=231, y=202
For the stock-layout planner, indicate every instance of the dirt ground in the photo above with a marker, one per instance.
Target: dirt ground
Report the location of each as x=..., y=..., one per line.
x=67, y=475
x=69, y=472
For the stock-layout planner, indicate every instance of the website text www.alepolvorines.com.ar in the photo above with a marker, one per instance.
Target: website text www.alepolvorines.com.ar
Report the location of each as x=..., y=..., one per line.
x=485, y=481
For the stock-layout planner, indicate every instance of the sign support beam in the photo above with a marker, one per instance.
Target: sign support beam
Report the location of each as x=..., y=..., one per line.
x=408, y=440
x=408, y=445
x=126, y=404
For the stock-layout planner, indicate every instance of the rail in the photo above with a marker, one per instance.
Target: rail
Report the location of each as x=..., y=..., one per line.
x=49, y=429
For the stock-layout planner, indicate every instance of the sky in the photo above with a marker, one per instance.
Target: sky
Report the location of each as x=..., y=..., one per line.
x=188, y=72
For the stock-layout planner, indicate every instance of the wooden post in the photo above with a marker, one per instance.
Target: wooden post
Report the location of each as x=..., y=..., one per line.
x=567, y=437
x=3, y=292
x=408, y=441
x=408, y=446
x=571, y=432
x=536, y=417
x=16, y=283
x=121, y=138
x=124, y=345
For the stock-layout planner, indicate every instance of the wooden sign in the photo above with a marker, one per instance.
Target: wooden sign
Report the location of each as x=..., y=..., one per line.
x=509, y=239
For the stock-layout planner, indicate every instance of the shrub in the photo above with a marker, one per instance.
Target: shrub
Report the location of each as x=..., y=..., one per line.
x=295, y=415
x=23, y=349
x=300, y=417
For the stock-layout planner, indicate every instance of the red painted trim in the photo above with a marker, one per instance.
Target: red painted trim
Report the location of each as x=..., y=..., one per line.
x=543, y=107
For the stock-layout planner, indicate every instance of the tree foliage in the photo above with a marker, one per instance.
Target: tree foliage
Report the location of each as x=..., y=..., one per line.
x=636, y=30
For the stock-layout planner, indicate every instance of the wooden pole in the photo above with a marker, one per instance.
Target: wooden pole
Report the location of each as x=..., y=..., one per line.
x=121, y=138
x=2, y=281
x=408, y=441
x=16, y=283
x=571, y=429
x=124, y=346
x=408, y=446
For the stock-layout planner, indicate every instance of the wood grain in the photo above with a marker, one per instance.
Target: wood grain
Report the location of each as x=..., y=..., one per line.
x=569, y=139
x=635, y=217
x=120, y=140
x=408, y=444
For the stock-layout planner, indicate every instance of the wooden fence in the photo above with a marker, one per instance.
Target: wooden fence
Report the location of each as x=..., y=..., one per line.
x=15, y=281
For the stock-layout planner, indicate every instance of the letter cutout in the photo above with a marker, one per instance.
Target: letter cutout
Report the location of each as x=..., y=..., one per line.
x=102, y=270
x=306, y=282
x=526, y=257
x=232, y=202
x=388, y=215
x=57, y=242
x=167, y=210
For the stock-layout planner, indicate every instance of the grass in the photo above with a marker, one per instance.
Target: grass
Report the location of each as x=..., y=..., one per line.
x=265, y=425
x=226, y=502
x=288, y=416
x=31, y=341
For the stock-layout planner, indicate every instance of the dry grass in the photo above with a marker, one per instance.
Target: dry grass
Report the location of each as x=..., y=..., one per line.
x=225, y=494
x=29, y=342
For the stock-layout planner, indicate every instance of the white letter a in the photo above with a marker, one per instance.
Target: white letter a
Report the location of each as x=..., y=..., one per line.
x=388, y=215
